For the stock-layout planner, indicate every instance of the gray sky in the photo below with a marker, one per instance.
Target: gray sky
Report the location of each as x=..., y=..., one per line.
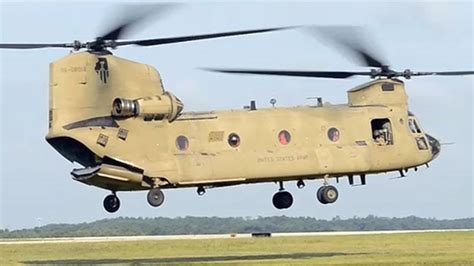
x=35, y=184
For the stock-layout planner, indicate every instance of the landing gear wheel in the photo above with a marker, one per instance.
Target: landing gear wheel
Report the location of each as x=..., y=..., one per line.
x=155, y=197
x=111, y=203
x=327, y=194
x=282, y=200
x=318, y=195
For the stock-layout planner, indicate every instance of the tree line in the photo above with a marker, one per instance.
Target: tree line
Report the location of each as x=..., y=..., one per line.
x=125, y=226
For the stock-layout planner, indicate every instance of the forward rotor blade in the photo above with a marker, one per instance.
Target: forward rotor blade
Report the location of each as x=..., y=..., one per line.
x=444, y=73
x=34, y=45
x=161, y=41
x=308, y=74
x=350, y=39
x=369, y=60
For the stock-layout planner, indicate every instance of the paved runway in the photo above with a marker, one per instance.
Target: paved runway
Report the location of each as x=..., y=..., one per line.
x=191, y=237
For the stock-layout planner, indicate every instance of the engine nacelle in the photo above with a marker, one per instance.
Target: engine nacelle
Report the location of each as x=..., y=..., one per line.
x=158, y=107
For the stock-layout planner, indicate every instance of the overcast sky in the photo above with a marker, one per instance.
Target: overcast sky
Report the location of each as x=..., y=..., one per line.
x=35, y=184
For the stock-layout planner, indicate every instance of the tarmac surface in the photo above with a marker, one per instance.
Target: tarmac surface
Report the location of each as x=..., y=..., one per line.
x=23, y=241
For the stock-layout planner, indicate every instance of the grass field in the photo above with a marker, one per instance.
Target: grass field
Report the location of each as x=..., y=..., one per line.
x=453, y=248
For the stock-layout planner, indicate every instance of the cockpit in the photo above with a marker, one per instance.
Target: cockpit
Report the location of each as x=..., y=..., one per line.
x=423, y=141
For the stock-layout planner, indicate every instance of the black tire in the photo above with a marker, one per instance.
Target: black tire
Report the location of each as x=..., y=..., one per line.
x=329, y=194
x=155, y=197
x=282, y=200
x=319, y=195
x=111, y=203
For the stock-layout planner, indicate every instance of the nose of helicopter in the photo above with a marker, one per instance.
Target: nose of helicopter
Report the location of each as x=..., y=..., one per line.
x=435, y=145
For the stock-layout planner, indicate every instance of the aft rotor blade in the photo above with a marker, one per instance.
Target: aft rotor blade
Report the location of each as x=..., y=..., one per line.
x=34, y=45
x=135, y=14
x=307, y=74
x=350, y=39
x=162, y=41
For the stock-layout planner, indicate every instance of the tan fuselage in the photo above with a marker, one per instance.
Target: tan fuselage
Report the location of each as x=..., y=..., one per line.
x=132, y=153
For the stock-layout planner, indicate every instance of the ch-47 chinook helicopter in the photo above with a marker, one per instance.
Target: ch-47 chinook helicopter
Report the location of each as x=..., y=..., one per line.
x=106, y=112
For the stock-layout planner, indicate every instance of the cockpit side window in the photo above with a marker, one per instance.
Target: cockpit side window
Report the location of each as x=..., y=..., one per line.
x=421, y=142
x=414, y=128
x=382, y=133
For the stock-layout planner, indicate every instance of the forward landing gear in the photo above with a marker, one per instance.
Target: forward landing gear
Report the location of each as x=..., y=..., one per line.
x=327, y=194
x=155, y=197
x=111, y=203
x=282, y=199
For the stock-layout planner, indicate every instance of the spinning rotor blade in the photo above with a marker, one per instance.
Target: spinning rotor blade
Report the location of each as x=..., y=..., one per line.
x=308, y=74
x=351, y=39
x=443, y=73
x=161, y=41
x=100, y=43
x=340, y=74
x=369, y=59
x=111, y=39
x=133, y=15
x=34, y=45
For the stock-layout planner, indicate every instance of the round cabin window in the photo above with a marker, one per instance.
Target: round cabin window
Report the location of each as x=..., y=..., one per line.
x=182, y=143
x=284, y=137
x=234, y=140
x=333, y=134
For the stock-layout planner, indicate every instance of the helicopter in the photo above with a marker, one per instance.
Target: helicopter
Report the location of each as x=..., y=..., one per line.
x=115, y=118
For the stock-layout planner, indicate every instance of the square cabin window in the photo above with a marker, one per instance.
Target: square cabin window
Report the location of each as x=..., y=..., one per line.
x=382, y=132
